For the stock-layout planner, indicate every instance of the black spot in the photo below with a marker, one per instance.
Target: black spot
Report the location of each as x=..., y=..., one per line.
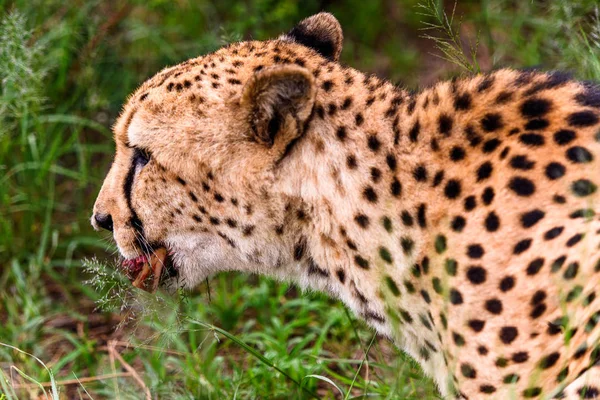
x=476, y=324
x=341, y=275
x=407, y=245
x=455, y=297
x=457, y=153
x=420, y=173
x=440, y=244
x=583, y=187
x=426, y=296
x=413, y=134
x=491, y=145
x=535, y=266
x=564, y=136
x=484, y=171
x=549, y=360
x=558, y=263
x=451, y=266
x=494, y=306
x=458, y=224
x=470, y=203
x=583, y=118
x=586, y=213
x=571, y=271
x=362, y=220
x=476, y=274
x=458, y=339
x=351, y=161
x=573, y=240
x=492, y=222
x=488, y=196
x=537, y=124
x=503, y=97
x=558, y=199
x=452, y=189
x=511, y=378
x=219, y=198
x=475, y=251
x=532, y=391
x=445, y=124
x=462, y=102
x=468, y=371
x=532, y=139
x=485, y=84
x=373, y=143
x=535, y=107
x=553, y=233
x=531, y=218
x=407, y=219
x=437, y=285
x=341, y=133
x=492, y=122
x=390, y=159
x=507, y=283
x=370, y=195
x=520, y=357
x=387, y=224
x=438, y=178
x=522, y=246
x=562, y=375
x=396, y=187
x=508, y=334
x=538, y=311
x=421, y=218
x=555, y=171
x=578, y=154
x=327, y=85
x=392, y=286
x=361, y=262
x=359, y=119
x=347, y=103
x=521, y=186
x=521, y=162
x=375, y=174
x=501, y=362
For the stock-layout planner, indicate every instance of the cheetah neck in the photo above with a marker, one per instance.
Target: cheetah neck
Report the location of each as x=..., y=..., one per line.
x=367, y=227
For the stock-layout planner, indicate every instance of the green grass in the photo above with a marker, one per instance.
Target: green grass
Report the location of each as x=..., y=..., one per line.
x=65, y=72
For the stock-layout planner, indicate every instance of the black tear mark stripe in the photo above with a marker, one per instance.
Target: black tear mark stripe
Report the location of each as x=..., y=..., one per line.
x=134, y=220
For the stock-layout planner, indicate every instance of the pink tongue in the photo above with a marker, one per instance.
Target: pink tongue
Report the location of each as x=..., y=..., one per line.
x=134, y=265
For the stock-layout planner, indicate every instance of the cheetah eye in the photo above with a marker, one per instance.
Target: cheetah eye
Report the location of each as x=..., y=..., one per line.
x=141, y=157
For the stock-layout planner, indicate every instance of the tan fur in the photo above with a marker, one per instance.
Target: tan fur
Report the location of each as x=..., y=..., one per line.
x=382, y=199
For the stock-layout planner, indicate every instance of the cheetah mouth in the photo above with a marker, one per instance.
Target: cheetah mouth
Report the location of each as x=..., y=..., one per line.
x=147, y=271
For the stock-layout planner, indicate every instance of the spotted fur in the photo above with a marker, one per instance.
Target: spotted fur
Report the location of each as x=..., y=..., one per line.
x=461, y=222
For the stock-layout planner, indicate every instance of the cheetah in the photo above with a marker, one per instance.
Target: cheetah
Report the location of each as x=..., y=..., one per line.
x=461, y=222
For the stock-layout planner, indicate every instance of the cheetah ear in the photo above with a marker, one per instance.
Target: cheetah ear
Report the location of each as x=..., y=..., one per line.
x=278, y=99
x=321, y=32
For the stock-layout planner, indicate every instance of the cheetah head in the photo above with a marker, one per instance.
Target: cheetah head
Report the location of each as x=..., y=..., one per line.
x=205, y=154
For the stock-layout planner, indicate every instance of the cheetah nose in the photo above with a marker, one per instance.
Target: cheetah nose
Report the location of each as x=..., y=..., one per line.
x=104, y=221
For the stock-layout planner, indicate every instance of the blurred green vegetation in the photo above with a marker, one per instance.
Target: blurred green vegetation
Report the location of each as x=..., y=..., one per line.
x=65, y=70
